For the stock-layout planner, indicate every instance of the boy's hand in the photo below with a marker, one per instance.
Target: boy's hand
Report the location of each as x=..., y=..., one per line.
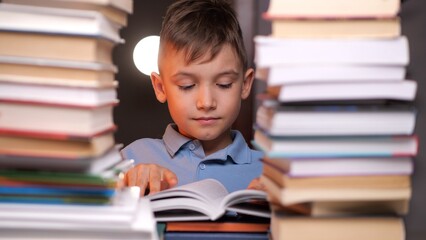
x=256, y=184
x=151, y=177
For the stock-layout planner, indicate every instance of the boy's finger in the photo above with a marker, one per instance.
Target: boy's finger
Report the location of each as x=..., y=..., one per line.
x=256, y=184
x=130, y=179
x=142, y=178
x=170, y=177
x=155, y=180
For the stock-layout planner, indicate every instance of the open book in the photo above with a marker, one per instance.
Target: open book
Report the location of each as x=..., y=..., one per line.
x=207, y=199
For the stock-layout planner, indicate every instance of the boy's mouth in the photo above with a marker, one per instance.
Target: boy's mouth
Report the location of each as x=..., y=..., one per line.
x=206, y=120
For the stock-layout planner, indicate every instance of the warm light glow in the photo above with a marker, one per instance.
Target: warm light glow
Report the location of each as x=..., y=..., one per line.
x=145, y=54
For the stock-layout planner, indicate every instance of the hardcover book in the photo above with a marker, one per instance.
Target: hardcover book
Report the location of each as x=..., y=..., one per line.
x=310, y=73
x=270, y=51
x=290, y=196
x=334, y=120
x=348, y=28
x=42, y=118
x=362, y=166
x=335, y=146
x=285, y=226
x=114, y=10
x=56, y=72
x=333, y=8
x=26, y=18
x=342, y=91
x=48, y=46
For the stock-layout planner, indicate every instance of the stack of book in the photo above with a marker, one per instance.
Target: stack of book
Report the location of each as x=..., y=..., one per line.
x=336, y=121
x=58, y=156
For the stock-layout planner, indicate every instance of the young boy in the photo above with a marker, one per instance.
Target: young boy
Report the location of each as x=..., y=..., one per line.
x=203, y=76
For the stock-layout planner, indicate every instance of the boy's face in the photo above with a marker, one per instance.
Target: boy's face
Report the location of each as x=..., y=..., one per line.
x=203, y=97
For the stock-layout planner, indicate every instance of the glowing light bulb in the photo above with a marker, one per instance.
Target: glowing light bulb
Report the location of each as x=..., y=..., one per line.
x=145, y=54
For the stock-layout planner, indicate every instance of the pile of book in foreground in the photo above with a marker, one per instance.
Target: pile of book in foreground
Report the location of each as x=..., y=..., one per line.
x=336, y=120
x=58, y=157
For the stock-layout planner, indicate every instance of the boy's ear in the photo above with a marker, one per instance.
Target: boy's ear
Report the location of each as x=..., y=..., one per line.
x=158, y=85
x=247, y=83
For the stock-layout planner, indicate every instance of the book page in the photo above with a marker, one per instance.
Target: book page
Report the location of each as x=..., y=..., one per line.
x=207, y=190
x=247, y=201
x=181, y=203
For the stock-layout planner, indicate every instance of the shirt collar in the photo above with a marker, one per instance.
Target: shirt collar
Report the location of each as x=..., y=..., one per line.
x=173, y=140
x=238, y=151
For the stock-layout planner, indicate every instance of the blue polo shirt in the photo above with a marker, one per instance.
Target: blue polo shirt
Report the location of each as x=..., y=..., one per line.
x=235, y=166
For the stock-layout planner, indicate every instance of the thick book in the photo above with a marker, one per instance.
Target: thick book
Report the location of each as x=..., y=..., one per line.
x=315, y=167
x=216, y=235
x=218, y=226
x=121, y=210
x=289, y=196
x=67, y=95
x=290, y=227
x=335, y=120
x=56, y=72
x=366, y=28
x=344, y=208
x=335, y=146
x=270, y=51
x=35, y=19
x=310, y=73
x=333, y=8
x=206, y=199
x=43, y=118
x=52, y=187
x=127, y=217
x=338, y=208
x=115, y=10
x=72, y=162
x=336, y=91
x=220, y=229
x=57, y=47
x=71, y=148
x=283, y=179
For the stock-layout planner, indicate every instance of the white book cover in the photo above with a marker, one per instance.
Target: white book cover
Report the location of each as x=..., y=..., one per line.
x=310, y=73
x=42, y=118
x=129, y=217
x=333, y=8
x=361, y=166
x=325, y=91
x=270, y=51
x=47, y=20
x=342, y=146
x=44, y=62
x=336, y=120
x=123, y=5
x=67, y=95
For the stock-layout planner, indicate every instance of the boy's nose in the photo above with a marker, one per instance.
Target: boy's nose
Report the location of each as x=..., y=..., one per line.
x=206, y=100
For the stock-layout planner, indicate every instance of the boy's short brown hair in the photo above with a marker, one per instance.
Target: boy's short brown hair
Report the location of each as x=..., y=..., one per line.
x=201, y=26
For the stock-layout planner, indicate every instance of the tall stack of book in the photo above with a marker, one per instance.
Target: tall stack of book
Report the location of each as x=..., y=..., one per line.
x=58, y=156
x=336, y=121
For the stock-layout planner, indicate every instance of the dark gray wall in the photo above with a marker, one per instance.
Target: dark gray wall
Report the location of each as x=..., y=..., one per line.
x=413, y=16
x=138, y=113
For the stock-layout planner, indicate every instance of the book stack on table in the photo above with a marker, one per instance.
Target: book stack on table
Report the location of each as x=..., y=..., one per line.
x=336, y=120
x=206, y=210
x=58, y=156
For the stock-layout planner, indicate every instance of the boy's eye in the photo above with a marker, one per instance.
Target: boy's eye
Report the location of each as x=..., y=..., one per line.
x=225, y=86
x=186, y=87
